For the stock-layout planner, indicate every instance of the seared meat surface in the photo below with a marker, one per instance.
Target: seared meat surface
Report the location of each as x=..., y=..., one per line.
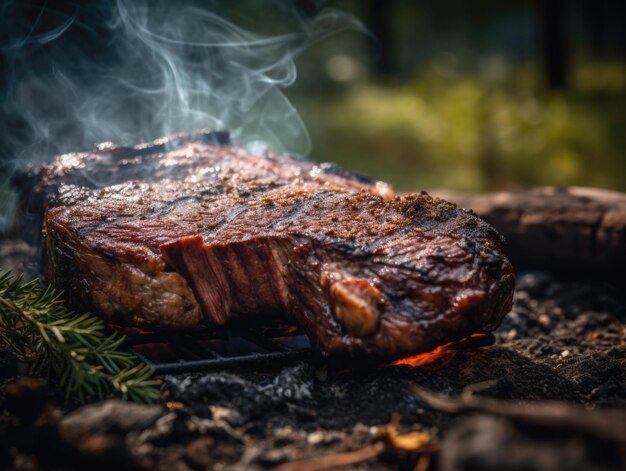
x=173, y=157
x=224, y=233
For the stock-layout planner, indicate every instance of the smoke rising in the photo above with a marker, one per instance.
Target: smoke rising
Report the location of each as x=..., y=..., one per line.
x=130, y=71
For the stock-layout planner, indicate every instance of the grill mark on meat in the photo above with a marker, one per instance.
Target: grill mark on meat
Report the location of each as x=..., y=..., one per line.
x=298, y=208
x=164, y=209
x=169, y=206
x=228, y=218
x=374, y=245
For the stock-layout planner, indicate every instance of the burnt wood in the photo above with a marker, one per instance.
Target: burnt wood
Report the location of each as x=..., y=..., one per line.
x=576, y=231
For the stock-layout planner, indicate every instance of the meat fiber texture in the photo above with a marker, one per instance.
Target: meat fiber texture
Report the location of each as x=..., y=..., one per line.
x=189, y=232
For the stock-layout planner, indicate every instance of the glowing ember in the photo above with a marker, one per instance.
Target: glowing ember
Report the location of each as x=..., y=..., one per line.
x=423, y=358
x=291, y=329
x=447, y=351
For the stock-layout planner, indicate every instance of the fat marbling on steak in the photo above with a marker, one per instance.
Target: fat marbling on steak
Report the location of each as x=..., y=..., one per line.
x=196, y=233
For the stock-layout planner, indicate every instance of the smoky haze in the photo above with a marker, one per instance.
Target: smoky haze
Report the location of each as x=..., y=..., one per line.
x=129, y=71
x=74, y=74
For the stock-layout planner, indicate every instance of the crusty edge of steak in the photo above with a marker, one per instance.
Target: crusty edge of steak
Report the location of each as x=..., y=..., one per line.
x=120, y=292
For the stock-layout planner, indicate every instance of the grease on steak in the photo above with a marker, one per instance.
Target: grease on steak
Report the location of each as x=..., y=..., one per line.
x=355, y=303
x=246, y=235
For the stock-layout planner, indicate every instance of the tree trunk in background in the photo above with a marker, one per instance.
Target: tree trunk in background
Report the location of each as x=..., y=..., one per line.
x=593, y=18
x=379, y=21
x=553, y=42
x=575, y=231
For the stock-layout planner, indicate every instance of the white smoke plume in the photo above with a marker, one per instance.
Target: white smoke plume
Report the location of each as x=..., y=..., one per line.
x=147, y=69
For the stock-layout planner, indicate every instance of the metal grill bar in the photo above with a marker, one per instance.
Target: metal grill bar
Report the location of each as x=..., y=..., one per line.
x=237, y=344
x=219, y=347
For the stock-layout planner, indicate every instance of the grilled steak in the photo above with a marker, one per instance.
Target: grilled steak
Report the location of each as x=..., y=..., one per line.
x=210, y=232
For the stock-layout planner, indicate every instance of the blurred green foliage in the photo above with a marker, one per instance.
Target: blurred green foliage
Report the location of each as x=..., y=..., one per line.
x=474, y=132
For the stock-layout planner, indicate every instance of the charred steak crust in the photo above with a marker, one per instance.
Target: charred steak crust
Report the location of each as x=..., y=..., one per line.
x=364, y=272
x=106, y=165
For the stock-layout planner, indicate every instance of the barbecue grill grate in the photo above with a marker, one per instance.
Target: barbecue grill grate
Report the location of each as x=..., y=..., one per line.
x=242, y=344
x=176, y=352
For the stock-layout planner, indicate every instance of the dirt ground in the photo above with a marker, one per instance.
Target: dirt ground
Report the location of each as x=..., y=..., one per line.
x=565, y=341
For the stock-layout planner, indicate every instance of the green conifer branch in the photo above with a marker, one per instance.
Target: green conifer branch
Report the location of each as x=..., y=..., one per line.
x=72, y=348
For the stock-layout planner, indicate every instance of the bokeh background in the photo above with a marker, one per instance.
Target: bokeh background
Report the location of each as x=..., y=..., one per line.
x=466, y=96
x=473, y=96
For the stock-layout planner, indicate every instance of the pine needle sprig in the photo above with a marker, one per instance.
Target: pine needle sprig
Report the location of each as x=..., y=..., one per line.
x=73, y=348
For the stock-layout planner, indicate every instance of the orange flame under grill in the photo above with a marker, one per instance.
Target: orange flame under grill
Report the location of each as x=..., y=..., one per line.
x=446, y=351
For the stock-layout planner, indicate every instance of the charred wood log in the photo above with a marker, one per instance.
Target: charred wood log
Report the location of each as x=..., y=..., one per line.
x=575, y=231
